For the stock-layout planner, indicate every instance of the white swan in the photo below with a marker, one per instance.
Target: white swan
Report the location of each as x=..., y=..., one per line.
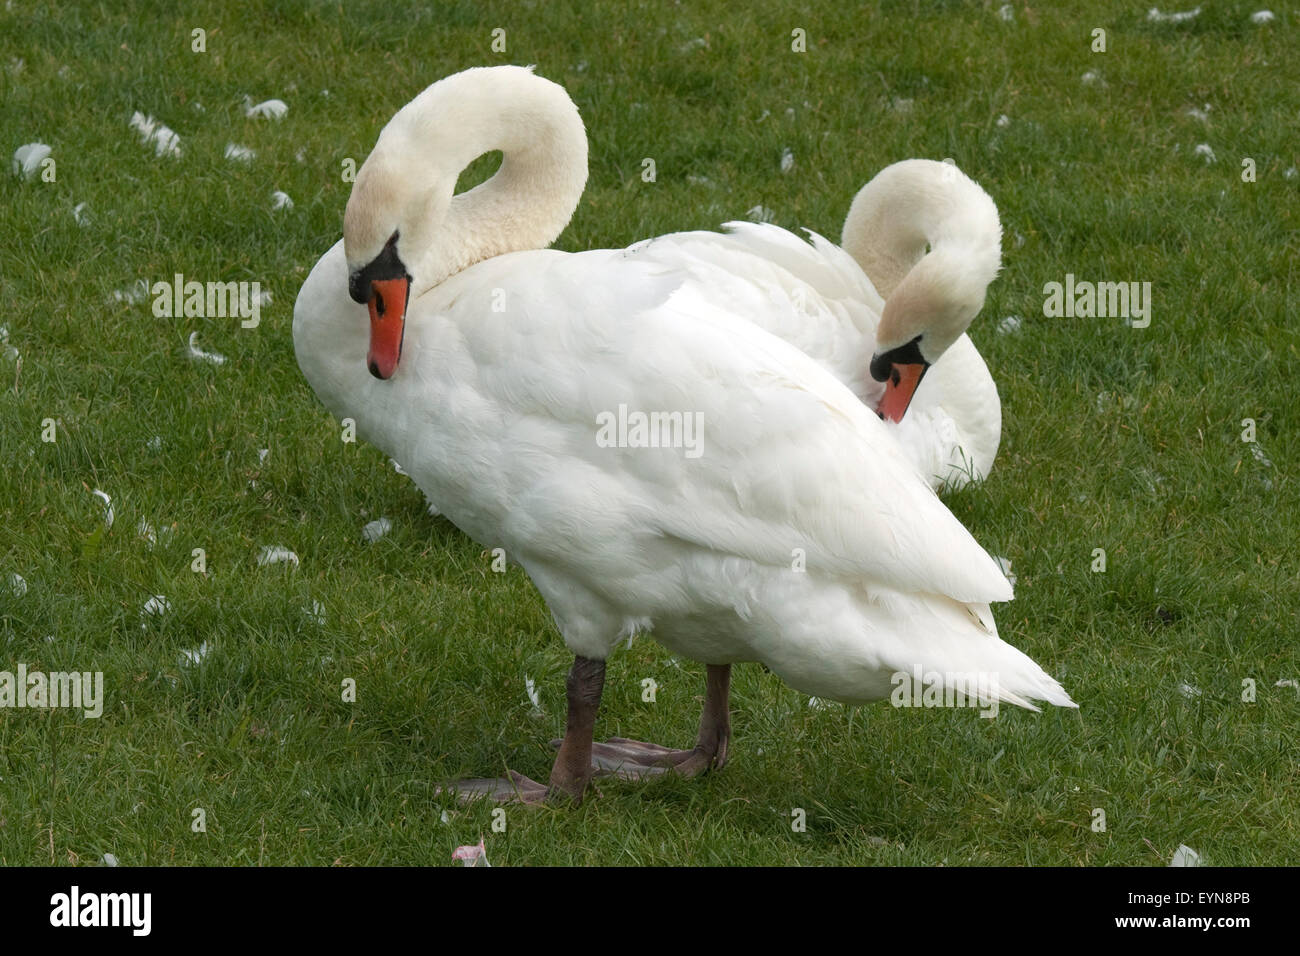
x=819, y=299
x=792, y=533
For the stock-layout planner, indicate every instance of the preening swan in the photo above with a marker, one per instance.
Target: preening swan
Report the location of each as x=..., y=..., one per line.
x=789, y=530
x=819, y=300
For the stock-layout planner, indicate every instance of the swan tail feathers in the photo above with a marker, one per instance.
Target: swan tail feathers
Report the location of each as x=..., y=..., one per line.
x=958, y=652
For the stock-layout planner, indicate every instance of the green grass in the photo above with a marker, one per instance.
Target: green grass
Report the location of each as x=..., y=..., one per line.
x=1114, y=438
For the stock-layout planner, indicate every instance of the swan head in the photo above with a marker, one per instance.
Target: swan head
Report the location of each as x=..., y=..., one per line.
x=388, y=220
x=384, y=285
x=405, y=229
x=930, y=240
x=931, y=308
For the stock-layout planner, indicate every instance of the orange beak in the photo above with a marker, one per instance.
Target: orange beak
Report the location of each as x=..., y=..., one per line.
x=899, y=389
x=388, y=300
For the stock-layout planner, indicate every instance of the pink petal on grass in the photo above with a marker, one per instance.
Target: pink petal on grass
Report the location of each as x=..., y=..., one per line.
x=472, y=855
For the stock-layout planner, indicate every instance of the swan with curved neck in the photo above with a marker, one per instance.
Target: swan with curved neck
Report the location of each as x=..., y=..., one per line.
x=496, y=415
x=404, y=230
x=931, y=241
x=921, y=243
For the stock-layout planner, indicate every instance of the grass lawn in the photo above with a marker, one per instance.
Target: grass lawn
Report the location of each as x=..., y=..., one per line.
x=1119, y=438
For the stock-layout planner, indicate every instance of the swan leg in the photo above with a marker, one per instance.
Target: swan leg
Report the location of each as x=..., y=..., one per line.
x=573, y=770
x=636, y=760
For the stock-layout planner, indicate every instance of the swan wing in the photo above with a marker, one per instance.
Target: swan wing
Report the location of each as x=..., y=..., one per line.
x=819, y=264
x=821, y=473
x=790, y=464
x=812, y=295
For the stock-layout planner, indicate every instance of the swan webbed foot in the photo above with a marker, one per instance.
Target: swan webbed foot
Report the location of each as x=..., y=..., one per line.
x=572, y=770
x=627, y=759
x=516, y=788
x=512, y=788
x=580, y=759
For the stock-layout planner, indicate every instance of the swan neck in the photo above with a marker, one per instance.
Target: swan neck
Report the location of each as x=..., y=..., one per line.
x=530, y=199
x=914, y=204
